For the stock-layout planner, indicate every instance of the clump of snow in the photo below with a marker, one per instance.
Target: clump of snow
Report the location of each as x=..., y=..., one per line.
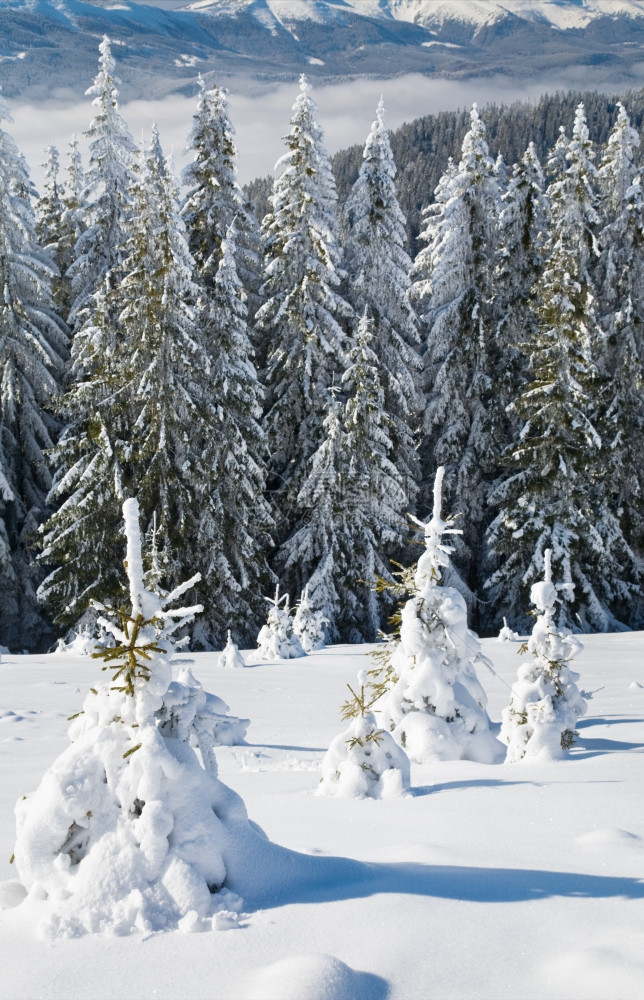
x=436, y=707
x=128, y=828
x=230, y=655
x=506, y=634
x=313, y=977
x=308, y=624
x=546, y=703
x=364, y=761
x=276, y=639
x=83, y=641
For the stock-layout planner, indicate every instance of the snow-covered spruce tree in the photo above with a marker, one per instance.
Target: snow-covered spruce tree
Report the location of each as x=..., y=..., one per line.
x=98, y=254
x=130, y=796
x=350, y=507
x=554, y=494
x=621, y=305
x=364, y=761
x=80, y=545
x=378, y=280
x=276, y=639
x=215, y=200
x=309, y=624
x=33, y=344
x=60, y=220
x=435, y=706
x=546, y=703
x=523, y=227
x=240, y=521
x=453, y=293
x=301, y=319
x=151, y=431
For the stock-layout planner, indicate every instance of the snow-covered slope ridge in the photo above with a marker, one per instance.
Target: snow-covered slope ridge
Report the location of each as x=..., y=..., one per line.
x=166, y=44
x=563, y=14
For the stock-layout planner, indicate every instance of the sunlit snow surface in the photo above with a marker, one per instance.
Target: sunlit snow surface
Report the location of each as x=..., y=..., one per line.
x=492, y=881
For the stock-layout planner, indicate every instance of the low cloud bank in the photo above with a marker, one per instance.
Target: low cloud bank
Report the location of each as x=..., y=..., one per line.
x=346, y=112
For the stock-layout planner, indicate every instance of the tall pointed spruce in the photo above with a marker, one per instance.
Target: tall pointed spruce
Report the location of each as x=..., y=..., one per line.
x=33, y=344
x=621, y=304
x=453, y=293
x=301, y=319
x=240, y=522
x=378, y=280
x=215, y=200
x=350, y=508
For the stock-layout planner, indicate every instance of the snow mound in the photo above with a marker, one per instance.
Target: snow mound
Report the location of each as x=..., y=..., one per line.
x=314, y=977
x=609, y=837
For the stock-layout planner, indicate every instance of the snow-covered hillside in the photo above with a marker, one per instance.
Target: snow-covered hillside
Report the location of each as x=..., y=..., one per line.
x=487, y=881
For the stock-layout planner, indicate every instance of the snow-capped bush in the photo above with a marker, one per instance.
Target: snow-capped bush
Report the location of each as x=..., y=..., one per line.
x=276, y=640
x=364, y=761
x=129, y=827
x=436, y=707
x=230, y=655
x=308, y=624
x=546, y=703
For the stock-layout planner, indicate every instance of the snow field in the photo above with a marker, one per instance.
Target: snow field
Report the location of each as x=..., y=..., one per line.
x=489, y=881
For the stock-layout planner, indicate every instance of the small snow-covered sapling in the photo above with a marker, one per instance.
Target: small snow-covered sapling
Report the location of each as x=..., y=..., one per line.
x=130, y=797
x=276, y=640
x=308, y=624
x=436, y=705
x=230, y=655
x=546, y=703
x=363, y=761
x=506, y=634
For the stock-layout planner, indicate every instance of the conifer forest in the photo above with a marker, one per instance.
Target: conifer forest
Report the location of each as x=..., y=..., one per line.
x=278, y=394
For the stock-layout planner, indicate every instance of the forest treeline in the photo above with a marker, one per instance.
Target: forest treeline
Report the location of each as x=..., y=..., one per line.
x=278, y=396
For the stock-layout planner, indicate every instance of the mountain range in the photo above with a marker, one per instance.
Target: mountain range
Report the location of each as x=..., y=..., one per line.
x=49, y=47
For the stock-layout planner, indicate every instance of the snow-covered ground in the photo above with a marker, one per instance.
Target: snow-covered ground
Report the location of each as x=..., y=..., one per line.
x=517, y=880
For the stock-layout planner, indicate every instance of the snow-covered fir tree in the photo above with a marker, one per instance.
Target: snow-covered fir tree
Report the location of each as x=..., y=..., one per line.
x=309, y=624
x=621, y=298
x=276, y=639
x=151, y=430
x=350, y=508
x=215, y=200
x=453, y=293
x=239, y=536
x=33, y=345
x=378, y=280
x=523, y=227
x=546, y=703
x=301, y=319
x=435, y=706
x=58, y=222
x=364, y=761
x=98, y=254
x=554, y=494
x=130, y=795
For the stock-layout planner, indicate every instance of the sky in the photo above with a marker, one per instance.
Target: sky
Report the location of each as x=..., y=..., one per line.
x=346, y=112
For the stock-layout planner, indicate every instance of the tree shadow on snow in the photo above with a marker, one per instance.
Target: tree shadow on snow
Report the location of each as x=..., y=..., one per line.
x=595, y=748
x=281, y=746
x=267, y=875
x=450, y=786
x=607, y=720
x=472, y=885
